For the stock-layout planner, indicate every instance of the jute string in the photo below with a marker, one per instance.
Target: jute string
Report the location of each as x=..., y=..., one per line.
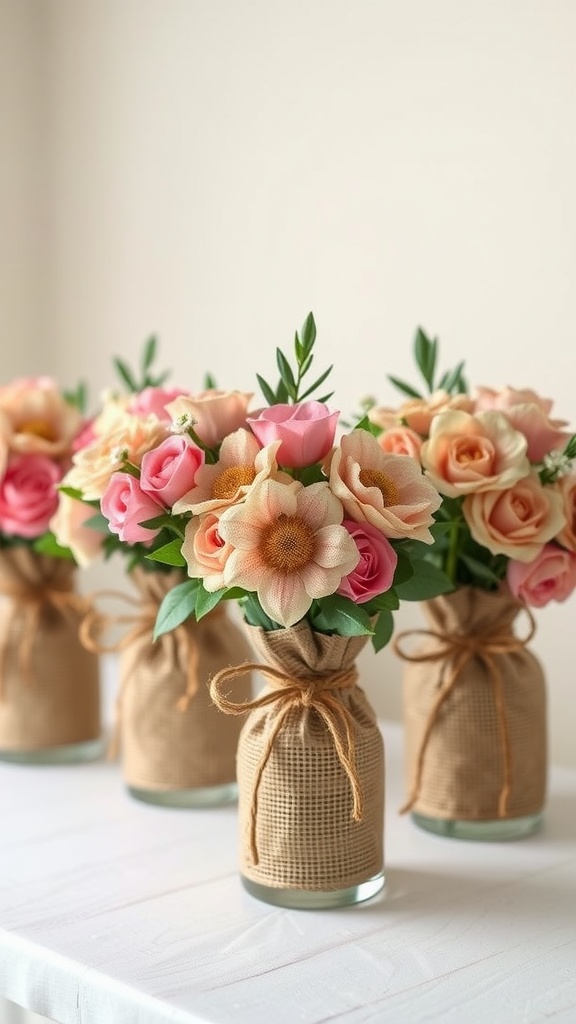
x=290, y=692
x=29, y=601
x=461, y=648
x=96, y=623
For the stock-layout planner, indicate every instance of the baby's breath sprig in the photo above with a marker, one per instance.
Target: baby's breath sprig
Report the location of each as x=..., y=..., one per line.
x=288, y=389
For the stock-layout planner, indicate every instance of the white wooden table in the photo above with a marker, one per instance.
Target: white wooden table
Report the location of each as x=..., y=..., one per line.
x=115, y=912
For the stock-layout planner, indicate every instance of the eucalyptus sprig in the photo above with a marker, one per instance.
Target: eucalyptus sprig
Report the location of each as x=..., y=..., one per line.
x=426, y=358
x=136, y=381
x=288, y=390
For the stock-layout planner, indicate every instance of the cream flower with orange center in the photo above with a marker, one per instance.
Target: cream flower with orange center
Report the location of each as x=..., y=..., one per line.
x=42, y=421
x=467, y=454
x=289, y=547
x=384, y=489
x=242, y=464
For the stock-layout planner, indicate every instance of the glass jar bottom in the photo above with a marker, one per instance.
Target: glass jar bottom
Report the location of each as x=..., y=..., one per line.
x=483, y=831
x=206, y=796
x=69, y=753
x=308, y=899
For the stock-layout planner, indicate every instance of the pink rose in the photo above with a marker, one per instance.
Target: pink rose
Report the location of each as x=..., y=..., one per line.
x=528, y=413
x=126, y=506
x=401, y=441
x=28, y=495
x=168, y=472
x=205, y=551
x=213, y=414
x=153, y=402
x=306, y=431
x=515, y=522
x=551, y=576
x=375, y=571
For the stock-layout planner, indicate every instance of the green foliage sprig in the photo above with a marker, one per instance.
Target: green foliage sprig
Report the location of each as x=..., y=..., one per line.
x=288, y=388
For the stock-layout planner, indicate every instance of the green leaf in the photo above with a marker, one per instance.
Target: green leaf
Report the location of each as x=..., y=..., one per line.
x=366, y=424
x=97, y=522
x=325, y=398
x=425, y=355
x=479, y=570
x=453, y=380
x=407, y=389
x=308, y=333
x=169, y=554
x=209, y=382
x=205, y=601
x=404, y=570
x=255, y=614
x=48, y=545
x=384, y=602
x=383, y=630
x=286, y=373
x=177, y=606
x=266, y=390
x=281, y=394
x=149, y=353
x=159, y=522
x=340, y=615
x=125, y=375
x=427, y=581
x=316, y=384
x=72, y=492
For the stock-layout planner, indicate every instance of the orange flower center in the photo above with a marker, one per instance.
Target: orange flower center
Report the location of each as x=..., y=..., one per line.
x=228, y=482
x=288, y=544
x=39, y=428
x=386, y=486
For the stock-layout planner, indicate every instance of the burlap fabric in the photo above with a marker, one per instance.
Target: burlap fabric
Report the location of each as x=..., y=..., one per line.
x=171, y=735
x=474, y=712
x=310, y=766
x=49, y=684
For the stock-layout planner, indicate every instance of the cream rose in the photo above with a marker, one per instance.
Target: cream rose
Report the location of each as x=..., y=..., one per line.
x=466, y=454
x=130, y=438
x=69, y=527
x=42, y=421
x=515, y=522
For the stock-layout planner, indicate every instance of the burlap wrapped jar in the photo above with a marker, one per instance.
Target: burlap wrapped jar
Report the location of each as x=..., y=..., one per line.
x=176, y=747
x=310, y=773
x=49, y=684
x=475, y=719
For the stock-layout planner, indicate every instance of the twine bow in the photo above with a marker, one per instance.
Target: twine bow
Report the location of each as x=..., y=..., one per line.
x=461, y=648
x=96, y=623
x=29, y=601
x=317, y=693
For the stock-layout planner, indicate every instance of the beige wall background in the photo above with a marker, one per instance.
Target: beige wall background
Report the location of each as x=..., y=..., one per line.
x=211, y=170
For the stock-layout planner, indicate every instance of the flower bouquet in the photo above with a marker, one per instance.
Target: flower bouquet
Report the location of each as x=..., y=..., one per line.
x=49, y=685
x=317, y=541
x=175, y=747
x=504, y=535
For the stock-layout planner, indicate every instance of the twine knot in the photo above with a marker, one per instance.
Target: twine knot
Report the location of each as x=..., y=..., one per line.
x=318, y=693
x=460, y=648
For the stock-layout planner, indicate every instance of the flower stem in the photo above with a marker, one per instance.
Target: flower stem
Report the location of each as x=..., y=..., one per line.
x=452, y=556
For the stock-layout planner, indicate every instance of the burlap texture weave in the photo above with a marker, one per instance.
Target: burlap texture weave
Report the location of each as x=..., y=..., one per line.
x=486, y=753
x=168, y=743
x=49, y=684
x=304, y=832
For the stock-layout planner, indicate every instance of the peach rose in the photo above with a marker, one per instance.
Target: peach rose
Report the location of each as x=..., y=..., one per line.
x=466, y=453
x=401, y=441
x=515, y=522
x=551, y=576
x=41, y=420
x=205, y=551
x=130, y=438
x=529, y=413
x=5, y=435
x=68, y=526
x=566, y=487
x=418, y=413
x=388, y=491
x=213, y=414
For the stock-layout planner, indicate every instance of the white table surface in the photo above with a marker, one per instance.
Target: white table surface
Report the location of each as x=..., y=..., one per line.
x=116, y=912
